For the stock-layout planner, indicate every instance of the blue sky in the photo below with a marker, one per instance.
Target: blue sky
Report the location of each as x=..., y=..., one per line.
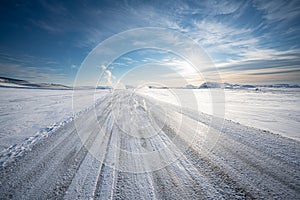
x=249, y=41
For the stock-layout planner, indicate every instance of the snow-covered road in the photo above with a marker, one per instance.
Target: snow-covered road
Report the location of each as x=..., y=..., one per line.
x=143, y=149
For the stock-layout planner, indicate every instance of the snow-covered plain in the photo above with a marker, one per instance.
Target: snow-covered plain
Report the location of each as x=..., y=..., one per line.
x=135, y=147
x=27, y=112
x=276, y=110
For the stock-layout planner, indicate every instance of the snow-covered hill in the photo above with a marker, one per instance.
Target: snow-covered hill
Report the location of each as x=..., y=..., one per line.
x=16, y=83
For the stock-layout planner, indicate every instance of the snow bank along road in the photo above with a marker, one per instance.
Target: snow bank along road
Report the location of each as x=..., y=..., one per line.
x=142, y=149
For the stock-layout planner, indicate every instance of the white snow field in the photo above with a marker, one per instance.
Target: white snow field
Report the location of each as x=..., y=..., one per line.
x=276, y=110
x=133, y=146
x=32, y=112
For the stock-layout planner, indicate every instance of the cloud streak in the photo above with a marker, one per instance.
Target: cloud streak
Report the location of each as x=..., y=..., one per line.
x=31, y=73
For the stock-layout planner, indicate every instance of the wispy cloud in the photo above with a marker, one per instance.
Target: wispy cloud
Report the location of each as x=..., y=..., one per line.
x=47, y=26
x=38, y=74
x=222, y=7
x=276, y=71
x=278, y=10
x=73, y=66
x=262, y=58
x=26, y=59
x=31, y=68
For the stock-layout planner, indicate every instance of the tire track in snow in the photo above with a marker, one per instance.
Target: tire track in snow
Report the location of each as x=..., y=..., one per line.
x=107, y=176
x=85, y=181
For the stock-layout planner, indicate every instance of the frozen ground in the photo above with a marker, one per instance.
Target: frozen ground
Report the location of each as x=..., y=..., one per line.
x=275, y=110
x=26, y=112
x=132, y=146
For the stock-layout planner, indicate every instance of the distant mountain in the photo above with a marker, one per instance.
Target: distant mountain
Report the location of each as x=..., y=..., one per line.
x=207, y=85
x=129, y=87
x=211, y=85
x=191, y=87
x=157, y=87
x=281, y=86
x=103, y=87
x=247, y=86
x=17, y=83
